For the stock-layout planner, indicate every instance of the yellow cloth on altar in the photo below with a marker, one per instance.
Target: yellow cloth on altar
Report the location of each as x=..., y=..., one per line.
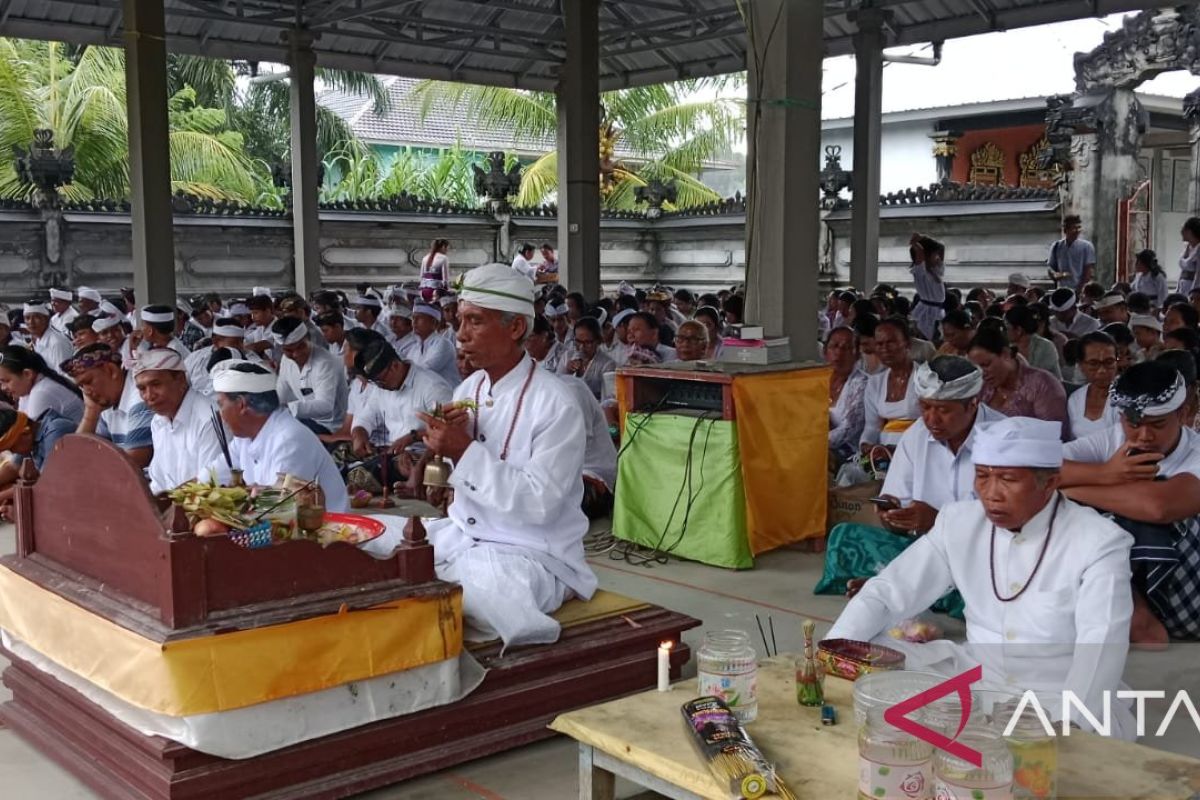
x=231, y=670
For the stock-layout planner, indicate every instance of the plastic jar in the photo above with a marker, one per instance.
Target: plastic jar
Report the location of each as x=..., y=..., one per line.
x=893, y=764
x=1034, y=753
x=727, y=667
x=957, y=779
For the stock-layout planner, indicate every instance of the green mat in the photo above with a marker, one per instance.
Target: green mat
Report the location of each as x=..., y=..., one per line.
x=652, y=496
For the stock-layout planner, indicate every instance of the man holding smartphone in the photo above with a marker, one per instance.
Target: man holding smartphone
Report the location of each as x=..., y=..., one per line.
x=1146, y=472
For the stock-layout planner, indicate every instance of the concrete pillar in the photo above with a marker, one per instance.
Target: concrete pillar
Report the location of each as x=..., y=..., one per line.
x=784, y=125
x=1117, y=176
x=578, y=103
x=1191, y=112
x=149, y=152
x=868, y=128
x=305, y=222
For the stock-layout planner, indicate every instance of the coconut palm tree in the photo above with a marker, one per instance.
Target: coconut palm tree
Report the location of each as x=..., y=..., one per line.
x=79, y=94
x=670, y=131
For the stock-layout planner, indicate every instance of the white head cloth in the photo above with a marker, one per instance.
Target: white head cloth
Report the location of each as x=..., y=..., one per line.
x=498, y=287
x=157, y=316
x=104, y=323
x=1066, y=305
x=1145, y=321
x=447, y=300
x=163, y=358
x=261, y=291
x=1019, y=279
x=87, y=293
x=428, y=310
x=601, y=316
x=109, y=310
x=621, y=316
x=626, y=288
x=1019, y=442
x=930, y=387
x=1110, y=299
x=184, y=306
x=368, y=301
x=60, y=294
x=226, y=379
x=297, y=335
x=401, y=310
x=1134, y=407
x=239, y=310
x=231, y=331
x=557, y=310
x=35, y=308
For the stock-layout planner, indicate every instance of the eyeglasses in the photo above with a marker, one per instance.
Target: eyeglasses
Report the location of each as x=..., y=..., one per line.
x=1108, y=363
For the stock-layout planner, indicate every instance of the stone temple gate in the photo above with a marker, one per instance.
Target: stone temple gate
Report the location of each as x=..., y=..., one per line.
x=1099, y=135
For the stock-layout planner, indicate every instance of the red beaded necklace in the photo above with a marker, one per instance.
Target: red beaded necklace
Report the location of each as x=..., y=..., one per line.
x=516, y=414
x=1036, y=567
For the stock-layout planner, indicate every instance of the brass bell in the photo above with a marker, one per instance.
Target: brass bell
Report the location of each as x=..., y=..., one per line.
x=437, y=473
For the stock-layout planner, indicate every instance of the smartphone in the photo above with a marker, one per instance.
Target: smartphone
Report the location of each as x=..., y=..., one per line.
x=885, y=503
x=1136, y=451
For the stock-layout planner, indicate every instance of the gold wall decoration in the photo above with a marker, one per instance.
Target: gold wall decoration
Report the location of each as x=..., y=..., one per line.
x=987, y=165
x=1032, y=174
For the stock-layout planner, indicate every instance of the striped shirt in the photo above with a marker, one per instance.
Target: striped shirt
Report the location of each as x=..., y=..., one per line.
x=127, y=425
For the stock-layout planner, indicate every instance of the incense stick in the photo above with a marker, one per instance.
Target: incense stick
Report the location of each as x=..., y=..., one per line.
x=771, y=625
x=762, y=633
x=219, y=430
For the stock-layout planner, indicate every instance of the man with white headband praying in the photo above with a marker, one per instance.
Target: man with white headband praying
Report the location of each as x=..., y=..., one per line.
x=930, y=469
x=514, y=535
x=89, y=300
x=112, y=407
x=158, y=330
x=226, y=332
x=400, y=326
x=1045, y=580
x=368, y=312
x=52, y=345
x=185, y=441
x=312, y=380
x=110, y=331
x=63, y=311
x=1068, y=319
x=268, y=440
x=431, y=350
x=1146, y=472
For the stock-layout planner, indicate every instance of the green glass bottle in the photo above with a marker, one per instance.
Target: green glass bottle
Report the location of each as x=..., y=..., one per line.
x=810, y=678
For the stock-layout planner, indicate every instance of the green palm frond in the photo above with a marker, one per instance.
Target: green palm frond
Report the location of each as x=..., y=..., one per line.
x=528, y=114
x=214, y=80
x=539, y=181
x=361, y=83
x=202, y=160
x=18, y=99
x=691, y=191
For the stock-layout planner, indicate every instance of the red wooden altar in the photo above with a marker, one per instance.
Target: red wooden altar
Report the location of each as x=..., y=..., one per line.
x=89, y=531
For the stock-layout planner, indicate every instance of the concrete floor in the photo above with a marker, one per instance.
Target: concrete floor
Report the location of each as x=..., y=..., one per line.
x=779, y=589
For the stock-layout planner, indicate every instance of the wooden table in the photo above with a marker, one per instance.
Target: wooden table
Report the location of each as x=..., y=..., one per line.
x=642, y=738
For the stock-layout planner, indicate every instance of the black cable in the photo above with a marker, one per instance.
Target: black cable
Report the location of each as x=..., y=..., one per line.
x=687, y=511
x=648, y=412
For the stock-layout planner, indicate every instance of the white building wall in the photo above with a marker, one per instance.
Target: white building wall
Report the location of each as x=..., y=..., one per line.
x=907, y=153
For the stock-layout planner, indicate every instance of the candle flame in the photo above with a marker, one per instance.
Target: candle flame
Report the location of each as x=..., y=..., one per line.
x=666, y=645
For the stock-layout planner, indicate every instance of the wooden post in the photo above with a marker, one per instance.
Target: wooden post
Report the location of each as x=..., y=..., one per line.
x=415, y=553
x=23, y=505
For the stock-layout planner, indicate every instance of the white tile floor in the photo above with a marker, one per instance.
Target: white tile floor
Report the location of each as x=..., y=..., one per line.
x=779, y=588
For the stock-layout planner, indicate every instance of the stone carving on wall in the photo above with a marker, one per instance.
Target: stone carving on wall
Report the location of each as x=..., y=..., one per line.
x=1148, y=44
x=1032, y=171
x=987, y=165
x=497, y=184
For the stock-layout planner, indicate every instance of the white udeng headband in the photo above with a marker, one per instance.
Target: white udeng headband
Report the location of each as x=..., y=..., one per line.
x=35, y=308
x=226, y=379
x=59, y=294
x=104, y=323
x=229, y=331
x=292, y=338
x=157, y=316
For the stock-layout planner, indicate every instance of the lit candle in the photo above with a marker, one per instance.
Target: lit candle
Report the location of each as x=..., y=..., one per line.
x=664, y=666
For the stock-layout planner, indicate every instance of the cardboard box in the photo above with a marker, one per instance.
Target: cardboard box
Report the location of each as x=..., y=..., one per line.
x=852, y=504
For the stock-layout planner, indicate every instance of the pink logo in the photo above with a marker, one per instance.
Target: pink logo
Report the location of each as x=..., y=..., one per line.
x=897, y=715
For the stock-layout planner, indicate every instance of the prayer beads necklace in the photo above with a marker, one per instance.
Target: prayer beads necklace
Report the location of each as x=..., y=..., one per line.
x=516, y=414
x=1036, y=567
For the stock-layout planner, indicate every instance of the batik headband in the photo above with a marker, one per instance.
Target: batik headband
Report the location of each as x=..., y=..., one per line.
x=1137, y=406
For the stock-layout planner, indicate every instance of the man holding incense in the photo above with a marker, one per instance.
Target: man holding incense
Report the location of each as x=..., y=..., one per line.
x=514, y=536
x=184, y=427
x=268, y=440
x=1045, y=580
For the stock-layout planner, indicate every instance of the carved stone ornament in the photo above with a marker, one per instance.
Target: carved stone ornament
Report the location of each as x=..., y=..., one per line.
x=654, y=194
x=46, y=167
x=497, y=184
x=987, y=165
x=834, y=178
x=1148, y=44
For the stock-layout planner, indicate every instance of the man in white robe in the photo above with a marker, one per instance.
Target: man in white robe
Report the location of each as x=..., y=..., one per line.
x=431, y=350
x=46, y=340
x=514, y=534
x=158, y=330
x=226, y=332
x=268, y=440
x=312, y=380
x=64, y=312
x=185, y=440
x=1045, y=580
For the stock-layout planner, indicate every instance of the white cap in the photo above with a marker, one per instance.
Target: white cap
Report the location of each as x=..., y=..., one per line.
x=498, y=287
x=87, y=293
x=1019, y=279
x=61, y=294
x=1019, y=442
x=931, y=387
x=1145, y=321
x=226, y=379
x=261, y=291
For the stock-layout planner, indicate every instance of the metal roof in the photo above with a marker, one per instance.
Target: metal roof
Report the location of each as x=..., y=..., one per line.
x=515, y=42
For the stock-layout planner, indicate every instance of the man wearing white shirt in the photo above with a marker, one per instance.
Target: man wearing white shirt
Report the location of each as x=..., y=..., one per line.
x=333, y=331
x=60, y=304
x=268, y=440
x=400, y=327
x=431, y=350
x=185, y=441
x=1045, y=580
x=47, y=342
x=158, y=330
x=111, y=331
x=599, y=455
x=368, y=312
x=225, y=333
x=258, y=333
x=1068, y=319
x=1146, y=472
x=522, y=264
x=312, y=381
x=89, y=300
x=514, y=534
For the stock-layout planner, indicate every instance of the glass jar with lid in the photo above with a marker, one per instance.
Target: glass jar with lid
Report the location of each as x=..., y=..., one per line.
x=727, y=667
x=1034, y=751
x=957, y=779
